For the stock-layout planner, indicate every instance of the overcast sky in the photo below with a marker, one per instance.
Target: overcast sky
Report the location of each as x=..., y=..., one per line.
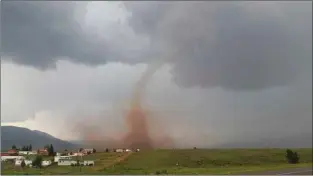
x=229, y=70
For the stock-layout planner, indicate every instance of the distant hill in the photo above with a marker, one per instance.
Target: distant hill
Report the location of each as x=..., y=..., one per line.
x=11, y=135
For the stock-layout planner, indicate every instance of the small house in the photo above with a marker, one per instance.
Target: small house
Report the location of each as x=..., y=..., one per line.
x=32, y=152
x=78, y=154
x=12, y=152
x=87, y=151
x=5, y=154
x=119, y=150
x=46, y=163
x=43, y=152
x=6, y=158
x=65, y=162
x=89, y=163
x=18, y=162
x=57, y=158
x=23, y=152
x=28, y=162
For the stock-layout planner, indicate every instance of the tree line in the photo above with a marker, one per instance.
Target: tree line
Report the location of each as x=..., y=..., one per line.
x=48, y=147
x=23, y=148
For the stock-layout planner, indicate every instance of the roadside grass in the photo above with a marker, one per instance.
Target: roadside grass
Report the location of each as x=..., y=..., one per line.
x=197, y=161
x=206, y=161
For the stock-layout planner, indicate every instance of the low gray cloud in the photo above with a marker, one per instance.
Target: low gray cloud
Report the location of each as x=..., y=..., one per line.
x=36, y=33
x=234, y=45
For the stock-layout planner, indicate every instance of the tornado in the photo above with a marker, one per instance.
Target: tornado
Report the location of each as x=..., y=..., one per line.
x=136, y=119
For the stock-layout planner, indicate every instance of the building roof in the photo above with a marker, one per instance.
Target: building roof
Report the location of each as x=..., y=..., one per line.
x=43, y=150
x=12, y=151
x=5, y=154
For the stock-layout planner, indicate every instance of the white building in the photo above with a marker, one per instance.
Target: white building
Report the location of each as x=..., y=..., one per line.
x=89, y=163
x=32, y=153
x=28, y=162
x=27, y=152
x=23, y=152
x=88, y=150
x=57, y=158
x=119, y=150
x=65, y=162
x=5, y=158
x=77, y=154
x=18, y=162
x=128, y=150
x=46, y=163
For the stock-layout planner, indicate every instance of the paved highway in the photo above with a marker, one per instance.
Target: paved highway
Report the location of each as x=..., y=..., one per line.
x=304, y=171
x=295, y=171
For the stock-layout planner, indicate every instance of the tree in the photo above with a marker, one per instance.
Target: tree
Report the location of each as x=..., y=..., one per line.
x=30, y=148
x=106, y=150
x=14, y=147
x=93, y=150
x=81, y=149
x=292, y=157
x=296, y=157
x=23, y=164
x=51, y=150
x=37, y=161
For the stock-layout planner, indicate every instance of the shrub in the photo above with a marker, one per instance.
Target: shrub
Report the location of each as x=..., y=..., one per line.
x=23, y=164
x=292, y=157
x=164, y=172
x=37, y=161
x=157, y=173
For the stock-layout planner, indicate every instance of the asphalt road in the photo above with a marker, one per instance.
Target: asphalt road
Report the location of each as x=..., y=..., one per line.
x=294, y=171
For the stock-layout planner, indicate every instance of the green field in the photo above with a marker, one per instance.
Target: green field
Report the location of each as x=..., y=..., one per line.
x=198, y=161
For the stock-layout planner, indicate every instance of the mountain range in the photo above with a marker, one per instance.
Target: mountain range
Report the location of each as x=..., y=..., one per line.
x=11, y=135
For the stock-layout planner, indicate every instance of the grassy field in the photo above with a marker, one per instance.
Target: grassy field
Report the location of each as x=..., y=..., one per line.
x=198, y=161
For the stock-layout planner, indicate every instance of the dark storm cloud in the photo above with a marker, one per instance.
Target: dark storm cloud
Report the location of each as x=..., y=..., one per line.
x=235, y=45
x=36, y=33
